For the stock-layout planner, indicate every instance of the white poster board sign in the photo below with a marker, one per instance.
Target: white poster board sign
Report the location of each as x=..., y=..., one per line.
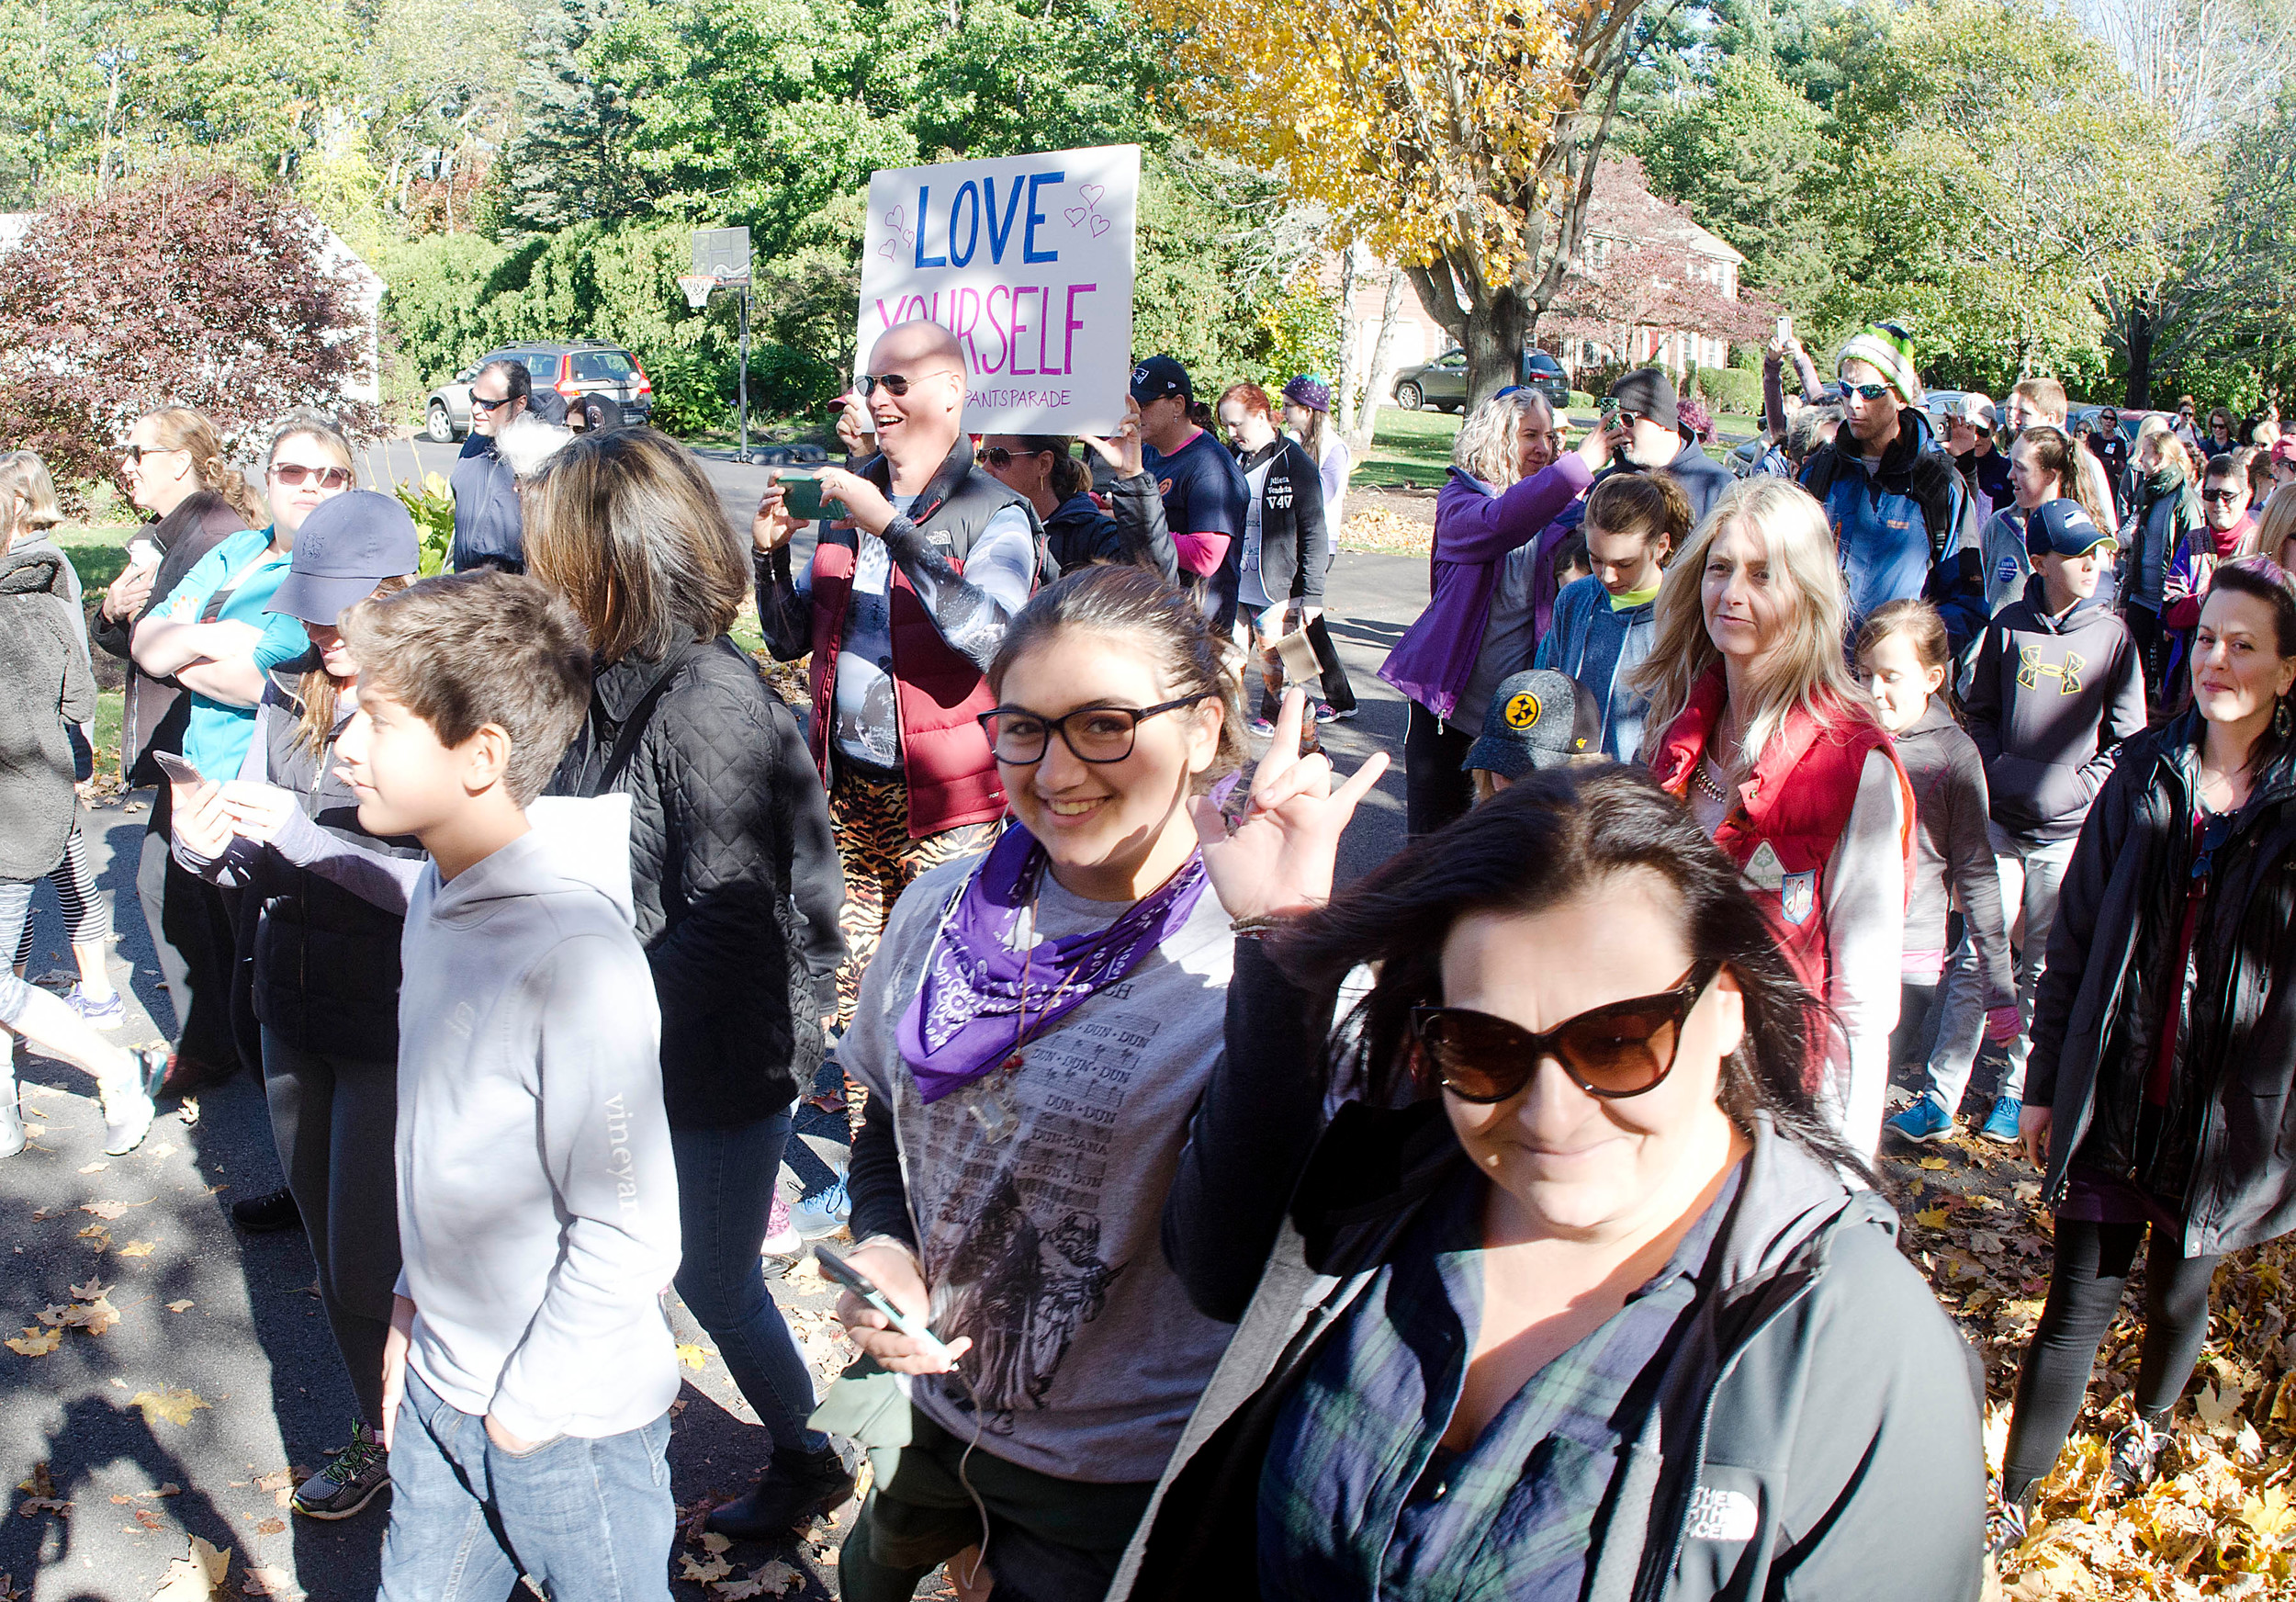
x=1027, y=260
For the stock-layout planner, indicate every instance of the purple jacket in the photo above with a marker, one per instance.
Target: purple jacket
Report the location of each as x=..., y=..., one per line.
x=1475, y=530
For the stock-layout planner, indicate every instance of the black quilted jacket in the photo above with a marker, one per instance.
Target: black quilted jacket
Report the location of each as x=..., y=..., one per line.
x=733, y=870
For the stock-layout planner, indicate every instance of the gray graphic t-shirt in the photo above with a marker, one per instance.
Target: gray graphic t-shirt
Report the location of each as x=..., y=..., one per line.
x=1038, y=1192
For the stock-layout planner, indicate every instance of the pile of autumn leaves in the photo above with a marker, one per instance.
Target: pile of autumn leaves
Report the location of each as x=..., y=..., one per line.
x=2221, y=1521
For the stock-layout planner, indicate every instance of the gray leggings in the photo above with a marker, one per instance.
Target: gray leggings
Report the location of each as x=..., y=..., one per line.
x=15, y=906
x=335, y=1120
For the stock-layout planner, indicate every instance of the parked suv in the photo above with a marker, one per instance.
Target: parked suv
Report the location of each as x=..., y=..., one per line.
x=1442, y=383
x=582, y=366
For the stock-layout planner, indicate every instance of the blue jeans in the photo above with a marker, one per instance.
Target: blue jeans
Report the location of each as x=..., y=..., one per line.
x=585, y=1520
x=726, y=1179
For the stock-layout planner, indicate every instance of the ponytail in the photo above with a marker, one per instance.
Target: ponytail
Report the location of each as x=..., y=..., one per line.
x=181, y=428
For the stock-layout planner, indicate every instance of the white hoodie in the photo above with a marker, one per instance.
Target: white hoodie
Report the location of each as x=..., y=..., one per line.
x=537, y=1198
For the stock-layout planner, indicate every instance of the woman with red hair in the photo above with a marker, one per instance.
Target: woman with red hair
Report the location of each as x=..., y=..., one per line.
x=1286, y=545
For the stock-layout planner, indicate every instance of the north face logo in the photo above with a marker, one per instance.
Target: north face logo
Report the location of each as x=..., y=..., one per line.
x=1721, y=1516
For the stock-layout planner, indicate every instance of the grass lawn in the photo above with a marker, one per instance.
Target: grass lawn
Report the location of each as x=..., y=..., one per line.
x=1415, y=448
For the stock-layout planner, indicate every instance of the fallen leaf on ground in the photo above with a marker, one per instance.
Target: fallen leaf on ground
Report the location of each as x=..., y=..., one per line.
x=273, y=1582
x=175, y=1405
x=166, y=1148
x=277, y=1480
x=36, y=1343
x=716, y=1568
x=714, y=1543
x=1930, y=1218
x=106, y=1210
x=149, y=1519
x=182, y=1306
x=1935, y=1165
x=196, y=1576
x=95, y=1168
x=136, y=1249
x=96, y=1235
x=693, y=1356
x=93, y=1290
x=766, y=1580
x=169, y=1489
x=38, y=1482
x=2217, y=1406
x=271, y=1527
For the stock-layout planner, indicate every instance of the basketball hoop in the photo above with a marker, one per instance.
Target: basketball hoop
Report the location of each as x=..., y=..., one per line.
x=697, y=287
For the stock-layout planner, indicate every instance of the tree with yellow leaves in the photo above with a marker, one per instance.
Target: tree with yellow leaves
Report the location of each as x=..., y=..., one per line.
x=1461, y=140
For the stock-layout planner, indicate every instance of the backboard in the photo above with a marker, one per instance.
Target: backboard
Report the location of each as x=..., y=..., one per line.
x=722, y=254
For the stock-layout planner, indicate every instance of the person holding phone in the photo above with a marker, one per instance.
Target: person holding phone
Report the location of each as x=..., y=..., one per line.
x=323, y=905
x=901, y=610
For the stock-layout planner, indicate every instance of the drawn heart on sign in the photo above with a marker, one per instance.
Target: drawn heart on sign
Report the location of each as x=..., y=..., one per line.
x=1076, y=215
x=1100, y=226
x=1089, y=212
x=894, y=219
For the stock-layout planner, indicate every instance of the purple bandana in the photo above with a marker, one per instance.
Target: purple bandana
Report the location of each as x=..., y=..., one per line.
x=982, y=995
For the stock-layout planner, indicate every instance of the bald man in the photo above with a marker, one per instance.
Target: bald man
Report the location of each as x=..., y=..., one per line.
x=901, y=609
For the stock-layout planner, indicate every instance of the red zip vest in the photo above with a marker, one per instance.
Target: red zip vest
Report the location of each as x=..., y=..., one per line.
x=1795, y=804
x=939, y=693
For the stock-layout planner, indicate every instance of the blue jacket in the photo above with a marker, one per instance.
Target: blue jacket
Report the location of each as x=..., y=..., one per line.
x=1599, y=646
x=487, y=524
x=1893, y=530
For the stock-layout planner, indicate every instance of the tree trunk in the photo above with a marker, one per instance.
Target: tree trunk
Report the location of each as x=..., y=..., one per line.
x=1494, y=344
x=1382, y=366
x=1350, y=346
x=2140, y=395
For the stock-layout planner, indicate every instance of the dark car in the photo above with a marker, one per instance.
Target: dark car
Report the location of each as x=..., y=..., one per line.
x=1442, y=383
x=573, y=368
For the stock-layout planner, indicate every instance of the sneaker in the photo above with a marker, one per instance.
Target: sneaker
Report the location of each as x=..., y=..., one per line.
x=781, y=1239
x=268, y=1214
x=1923, y=1122
x=2133, y=1460
x=350, y=1482
x=127, y=1108
x=1263, y=727
x=822, y=1214
x=106, y=1014
x=2007, y=1524
x=796, y=1489
x=1324, y=713
x=2001, y=1122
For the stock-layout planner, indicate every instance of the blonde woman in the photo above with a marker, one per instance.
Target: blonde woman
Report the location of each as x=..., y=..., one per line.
x=28, y=509
x=1507, y=484
x=1758, y=726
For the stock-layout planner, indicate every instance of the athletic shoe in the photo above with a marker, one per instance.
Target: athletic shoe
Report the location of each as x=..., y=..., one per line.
x=127, y=1110
x=796, y=1489
x=109, y=1014
x=822, y=1214
x=350, y=1482
x=2001, y=1122
x=2133, y=1461
x=1264, y=730
x=268, y=1214
x=1325, y=712
x=1340, y=716
x=781, y=1240
x=2007, y=1524
x=1921, y=1122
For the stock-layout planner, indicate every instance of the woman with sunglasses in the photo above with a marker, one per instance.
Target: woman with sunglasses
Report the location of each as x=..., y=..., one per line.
x=1757, y=724
x=1043, y=468
x=2158, y=1097
x=1034, y=1033
x=1586, y=1298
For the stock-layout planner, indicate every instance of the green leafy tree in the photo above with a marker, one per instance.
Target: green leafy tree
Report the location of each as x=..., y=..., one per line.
x=569, y=161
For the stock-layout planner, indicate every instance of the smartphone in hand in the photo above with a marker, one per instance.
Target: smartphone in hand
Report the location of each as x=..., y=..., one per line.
x=177, y=770
x=802, y=496
x=861, y=1285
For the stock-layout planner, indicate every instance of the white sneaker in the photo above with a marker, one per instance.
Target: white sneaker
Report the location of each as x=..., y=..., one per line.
x=825, y=1214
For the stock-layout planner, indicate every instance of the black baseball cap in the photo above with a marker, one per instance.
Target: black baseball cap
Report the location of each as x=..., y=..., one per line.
x=1159, y=376
x=2064, y=527
x=346, y=546
x=1538, y=719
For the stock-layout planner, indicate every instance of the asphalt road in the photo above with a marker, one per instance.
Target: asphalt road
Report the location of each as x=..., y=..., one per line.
x=222, y=1330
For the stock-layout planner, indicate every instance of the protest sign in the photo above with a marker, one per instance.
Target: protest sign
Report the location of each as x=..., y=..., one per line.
x=1027, y=260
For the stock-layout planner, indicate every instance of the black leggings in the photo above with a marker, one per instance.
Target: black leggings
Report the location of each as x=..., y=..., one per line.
x=1436, y=790
x=2092, y=1269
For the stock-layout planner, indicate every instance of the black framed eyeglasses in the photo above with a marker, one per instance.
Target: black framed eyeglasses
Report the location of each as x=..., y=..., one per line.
x=1613, y=1052
x=1095, y=734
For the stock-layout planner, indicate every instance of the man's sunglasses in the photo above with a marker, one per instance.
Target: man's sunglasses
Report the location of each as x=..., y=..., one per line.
x=1866, y=391
x=1613, y=1052
x=483, y=404
x=2223, y=496
x=895, y=384
x=294, y=475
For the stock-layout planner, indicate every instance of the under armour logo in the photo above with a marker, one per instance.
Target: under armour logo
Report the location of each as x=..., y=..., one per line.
x=2032, y=669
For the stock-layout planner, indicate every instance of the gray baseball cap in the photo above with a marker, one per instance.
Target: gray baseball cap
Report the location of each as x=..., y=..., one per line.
x=346, y=546
x=1537, y=719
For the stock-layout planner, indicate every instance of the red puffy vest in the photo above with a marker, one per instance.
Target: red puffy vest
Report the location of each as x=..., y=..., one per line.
x=1790, y=813
x=939, y=693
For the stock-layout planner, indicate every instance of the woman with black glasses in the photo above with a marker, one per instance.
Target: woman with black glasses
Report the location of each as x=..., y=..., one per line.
x=2157, y=1099
x=1587, y=1299
x=1034, y=1033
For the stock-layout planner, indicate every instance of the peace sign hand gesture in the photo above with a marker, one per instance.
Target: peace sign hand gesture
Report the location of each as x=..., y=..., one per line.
x=1280, y=856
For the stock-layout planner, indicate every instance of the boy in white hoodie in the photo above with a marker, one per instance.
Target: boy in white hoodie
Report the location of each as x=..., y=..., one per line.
x=529, y=1372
